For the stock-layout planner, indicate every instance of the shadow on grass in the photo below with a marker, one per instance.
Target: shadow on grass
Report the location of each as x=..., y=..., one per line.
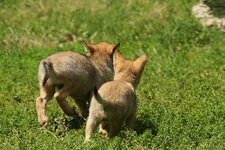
x=75, y=123
x=61, y=124
x=142, y=125
x=64, y=123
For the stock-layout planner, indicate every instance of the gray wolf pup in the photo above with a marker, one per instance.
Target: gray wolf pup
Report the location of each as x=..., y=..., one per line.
x=116, y=102
x=74, y=75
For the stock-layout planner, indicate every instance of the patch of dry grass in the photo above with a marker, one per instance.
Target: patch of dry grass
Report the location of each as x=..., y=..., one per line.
x=24, y=24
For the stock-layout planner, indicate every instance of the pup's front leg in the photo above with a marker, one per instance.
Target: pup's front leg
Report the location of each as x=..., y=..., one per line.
x=61, y=95
x=82, y=107
x=61, y=99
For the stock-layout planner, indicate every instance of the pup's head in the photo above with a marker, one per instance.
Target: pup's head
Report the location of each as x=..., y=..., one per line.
x=128, y=70
x=101, y=48
x=102, y=55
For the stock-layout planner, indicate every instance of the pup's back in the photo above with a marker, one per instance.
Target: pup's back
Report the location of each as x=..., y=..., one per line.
x=118, y=101
x=70, y=68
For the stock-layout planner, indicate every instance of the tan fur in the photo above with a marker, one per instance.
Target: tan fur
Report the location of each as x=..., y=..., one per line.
x=116, y=101
x=75, y=75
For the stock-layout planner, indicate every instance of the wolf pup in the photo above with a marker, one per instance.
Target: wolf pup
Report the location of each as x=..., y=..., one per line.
x=75, y=75
x=116, y=101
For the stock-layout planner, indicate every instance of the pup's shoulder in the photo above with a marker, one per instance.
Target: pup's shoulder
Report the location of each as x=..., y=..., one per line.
x=116, y=84
x=67, y=57
x=116, y=88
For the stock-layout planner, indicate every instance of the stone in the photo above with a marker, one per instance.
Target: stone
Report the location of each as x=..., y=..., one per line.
x=210, y=12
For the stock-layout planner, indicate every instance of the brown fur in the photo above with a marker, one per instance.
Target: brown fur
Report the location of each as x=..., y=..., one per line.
x=75, y=75
x=116, y=101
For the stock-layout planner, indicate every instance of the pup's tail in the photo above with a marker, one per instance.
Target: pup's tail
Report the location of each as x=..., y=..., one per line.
x=46, y=66
x=99, y=98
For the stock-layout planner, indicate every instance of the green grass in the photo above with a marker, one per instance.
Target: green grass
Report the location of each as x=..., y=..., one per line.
x=181, y=94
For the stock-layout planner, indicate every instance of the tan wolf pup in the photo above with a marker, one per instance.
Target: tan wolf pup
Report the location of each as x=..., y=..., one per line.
x=75, y=75
x=116, y=101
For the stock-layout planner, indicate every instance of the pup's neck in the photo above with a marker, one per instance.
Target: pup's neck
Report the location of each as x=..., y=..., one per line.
x=104, y=70
x=127, y=77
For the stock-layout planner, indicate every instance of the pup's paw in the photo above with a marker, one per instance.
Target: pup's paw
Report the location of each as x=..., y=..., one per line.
x=44, y=123
x=102, y=131
x=86, y=140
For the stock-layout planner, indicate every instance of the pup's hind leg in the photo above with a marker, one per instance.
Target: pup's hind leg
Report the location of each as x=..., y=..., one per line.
x=115, y=128
x=46, y=94
x=130, y=122
x=91, y=126
x=60, y=96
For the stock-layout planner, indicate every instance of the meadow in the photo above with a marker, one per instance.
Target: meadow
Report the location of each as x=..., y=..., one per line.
x=181, y=96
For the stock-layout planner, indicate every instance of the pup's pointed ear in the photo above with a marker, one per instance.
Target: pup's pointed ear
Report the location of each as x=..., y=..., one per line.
x=87, y=47
x=117, y=57
x=115, y=48
x=140, y=62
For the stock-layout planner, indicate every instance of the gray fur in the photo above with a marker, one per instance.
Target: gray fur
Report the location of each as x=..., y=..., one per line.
x=75, y=75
